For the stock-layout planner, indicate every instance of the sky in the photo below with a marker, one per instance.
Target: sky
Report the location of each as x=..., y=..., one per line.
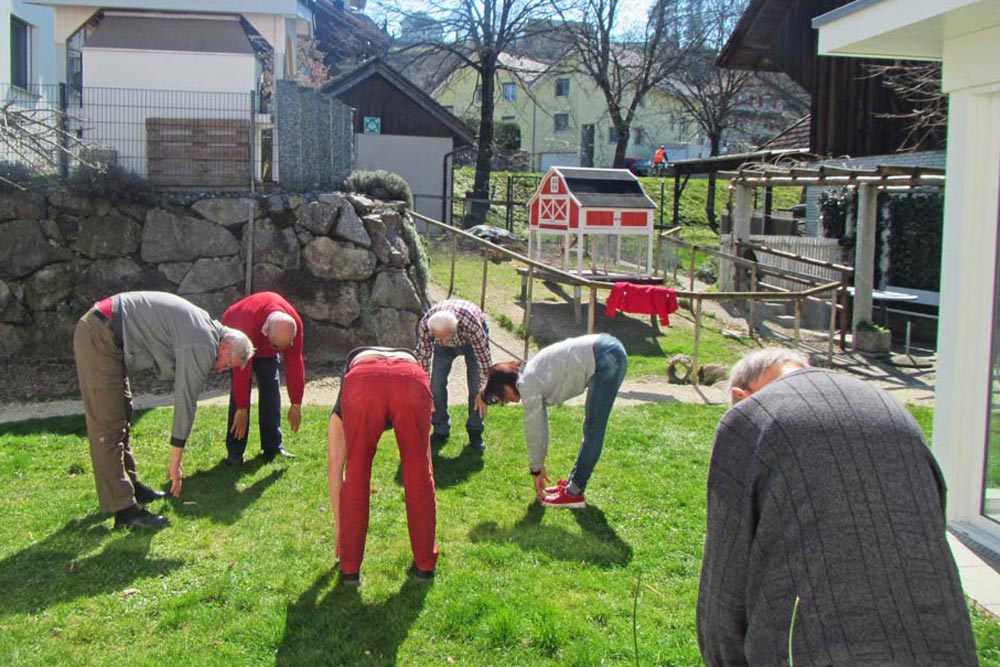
x=633, y=12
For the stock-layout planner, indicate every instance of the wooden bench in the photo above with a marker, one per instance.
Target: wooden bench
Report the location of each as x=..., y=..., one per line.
x=925, y=306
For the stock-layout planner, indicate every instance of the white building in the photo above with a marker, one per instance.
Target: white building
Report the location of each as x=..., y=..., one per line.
x=965, y=36
x=151, y=78
x=31, y=58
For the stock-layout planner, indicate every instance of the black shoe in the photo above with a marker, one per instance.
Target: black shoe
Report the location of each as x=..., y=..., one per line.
x=138, y=518
x=270, y=456
x=421, y=575
x=438, y=439
x=233, y=461
x=352, y=580
x=477, y=445
x=147, y=494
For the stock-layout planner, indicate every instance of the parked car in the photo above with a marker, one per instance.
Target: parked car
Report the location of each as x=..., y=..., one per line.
x=639, y=166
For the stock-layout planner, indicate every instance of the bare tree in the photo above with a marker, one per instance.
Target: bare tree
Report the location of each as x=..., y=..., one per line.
x=918, y=85
x=623, y=64
x=476, y=32
x=709, y=94
x=37, y=139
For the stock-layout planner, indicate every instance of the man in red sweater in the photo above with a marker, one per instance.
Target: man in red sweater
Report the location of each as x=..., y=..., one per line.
x=276, y=331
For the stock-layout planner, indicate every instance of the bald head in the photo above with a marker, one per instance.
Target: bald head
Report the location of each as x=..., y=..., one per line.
x=280, y=329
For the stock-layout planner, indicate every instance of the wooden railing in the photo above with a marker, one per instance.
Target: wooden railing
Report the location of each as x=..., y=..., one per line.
x=535, y=268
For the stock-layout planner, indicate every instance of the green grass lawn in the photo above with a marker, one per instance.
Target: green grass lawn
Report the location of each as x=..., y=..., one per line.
x=244, y=575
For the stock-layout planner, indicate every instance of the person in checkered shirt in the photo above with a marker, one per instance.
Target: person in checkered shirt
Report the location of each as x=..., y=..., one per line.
x=450, y=329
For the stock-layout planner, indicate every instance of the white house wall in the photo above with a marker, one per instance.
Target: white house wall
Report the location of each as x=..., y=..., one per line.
x=122, y=88
x=43, y=56
x=419, y=160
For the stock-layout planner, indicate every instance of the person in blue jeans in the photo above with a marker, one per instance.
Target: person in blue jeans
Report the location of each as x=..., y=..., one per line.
x=448, y=330
x=595, y=364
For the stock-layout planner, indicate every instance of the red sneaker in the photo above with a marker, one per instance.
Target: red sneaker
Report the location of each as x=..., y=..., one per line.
x=564, y=499
x=561, y=484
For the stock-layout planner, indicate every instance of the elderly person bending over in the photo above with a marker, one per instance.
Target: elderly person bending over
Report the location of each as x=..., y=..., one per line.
x=822, y=490
x=450, y=329
x=275, y=329
x=595, y=364
x=382, y=388
x=135, y=331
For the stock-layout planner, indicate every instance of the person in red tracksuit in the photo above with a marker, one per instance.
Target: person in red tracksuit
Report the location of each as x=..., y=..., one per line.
x=383, y=388
x=275, y=329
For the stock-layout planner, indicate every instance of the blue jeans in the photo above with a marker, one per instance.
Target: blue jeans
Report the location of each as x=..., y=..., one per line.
x=610, y=364
x=444, y=357
x=268, y=404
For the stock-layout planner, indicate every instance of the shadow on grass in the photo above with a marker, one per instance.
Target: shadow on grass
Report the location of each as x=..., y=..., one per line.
x=214, y=493
x=599, y=544
x=61, y=567
x=336, y=627
x=556, y=320
x=73, y=425
x=450, y=471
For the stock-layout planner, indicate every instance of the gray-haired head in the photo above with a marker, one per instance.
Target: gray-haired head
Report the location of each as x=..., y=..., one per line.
x=240, y=348
x=757, y=369
x=280, y=329
x=442, y=324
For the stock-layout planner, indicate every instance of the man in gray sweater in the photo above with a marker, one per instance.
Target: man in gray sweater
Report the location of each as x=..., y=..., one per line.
x=822, y=489
x=135, y=331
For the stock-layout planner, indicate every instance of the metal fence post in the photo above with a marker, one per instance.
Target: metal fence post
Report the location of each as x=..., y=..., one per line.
x=697, y=341
x=527, y=310
x=63, y=133
x=248, y=286
x=486, y=266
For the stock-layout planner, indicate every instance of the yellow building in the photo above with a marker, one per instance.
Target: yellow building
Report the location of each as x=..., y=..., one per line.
x=563, y=117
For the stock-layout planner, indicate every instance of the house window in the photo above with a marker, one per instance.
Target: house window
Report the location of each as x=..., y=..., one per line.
x=612, y=135
x=20, y=53
x=637, y=136
x=562, y=87
x=560, y=123
x=508, y=119
x=477, y=97
x=509, y=92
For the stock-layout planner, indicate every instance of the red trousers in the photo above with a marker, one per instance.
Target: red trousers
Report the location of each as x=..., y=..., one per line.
x=377, y=391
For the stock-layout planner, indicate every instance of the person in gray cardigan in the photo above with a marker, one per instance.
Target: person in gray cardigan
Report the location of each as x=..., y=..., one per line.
x=823, y=495
x=135, y=331
x=595, y=364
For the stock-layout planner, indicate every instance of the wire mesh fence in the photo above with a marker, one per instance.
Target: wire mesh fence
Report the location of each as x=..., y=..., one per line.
x=170, y=137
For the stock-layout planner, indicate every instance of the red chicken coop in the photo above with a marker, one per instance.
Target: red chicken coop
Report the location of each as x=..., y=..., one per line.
x=578, y=204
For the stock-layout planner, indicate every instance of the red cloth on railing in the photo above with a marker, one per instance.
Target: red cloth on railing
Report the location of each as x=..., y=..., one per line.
x=642, y=299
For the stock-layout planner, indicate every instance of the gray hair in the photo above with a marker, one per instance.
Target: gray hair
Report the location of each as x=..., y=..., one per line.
x=441, y=321
x=748, y=370
x=240, y=347
x=277, y=317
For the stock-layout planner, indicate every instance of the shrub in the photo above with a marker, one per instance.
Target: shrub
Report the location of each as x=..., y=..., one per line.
x=709, y=271
x=14, y=176
x=113, y=183
x=380, y=184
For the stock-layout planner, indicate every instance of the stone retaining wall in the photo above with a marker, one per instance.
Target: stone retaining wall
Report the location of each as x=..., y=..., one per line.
x=347, y=263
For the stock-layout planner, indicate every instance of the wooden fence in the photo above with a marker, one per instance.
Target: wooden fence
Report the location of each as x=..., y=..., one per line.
x=202, y=152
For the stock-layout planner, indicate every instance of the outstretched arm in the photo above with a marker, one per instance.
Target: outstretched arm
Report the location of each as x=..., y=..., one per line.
x=337, y=449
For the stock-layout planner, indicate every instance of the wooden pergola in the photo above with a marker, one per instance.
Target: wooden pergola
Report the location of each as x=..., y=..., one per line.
x=868, y=182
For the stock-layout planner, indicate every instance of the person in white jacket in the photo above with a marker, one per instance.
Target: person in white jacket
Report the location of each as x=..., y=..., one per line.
x=595, y=363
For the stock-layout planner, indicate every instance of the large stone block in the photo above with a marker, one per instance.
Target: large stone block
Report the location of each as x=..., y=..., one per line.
x=24, y=249
x=21, y=205
x=12, y=340
x=11, y=309
x=392, y=289
x=267, y=277
x=79, y=204
x=337, y=303
x=225, y=212
x=173, y=238
x=273, y=245
x=350, y=227
x=50, y=286
x=330, y=260
x=215, y=302
x=113, y=235
x=111, y=276
x=328, y=342
x=387, y=245
x=175, y=271
x=395, y=328
x=362, y=204
x=50, y=337
x=212, y=274
x=317, y=217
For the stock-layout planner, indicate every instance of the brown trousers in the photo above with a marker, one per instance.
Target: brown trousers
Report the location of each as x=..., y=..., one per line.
x=107, y=404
